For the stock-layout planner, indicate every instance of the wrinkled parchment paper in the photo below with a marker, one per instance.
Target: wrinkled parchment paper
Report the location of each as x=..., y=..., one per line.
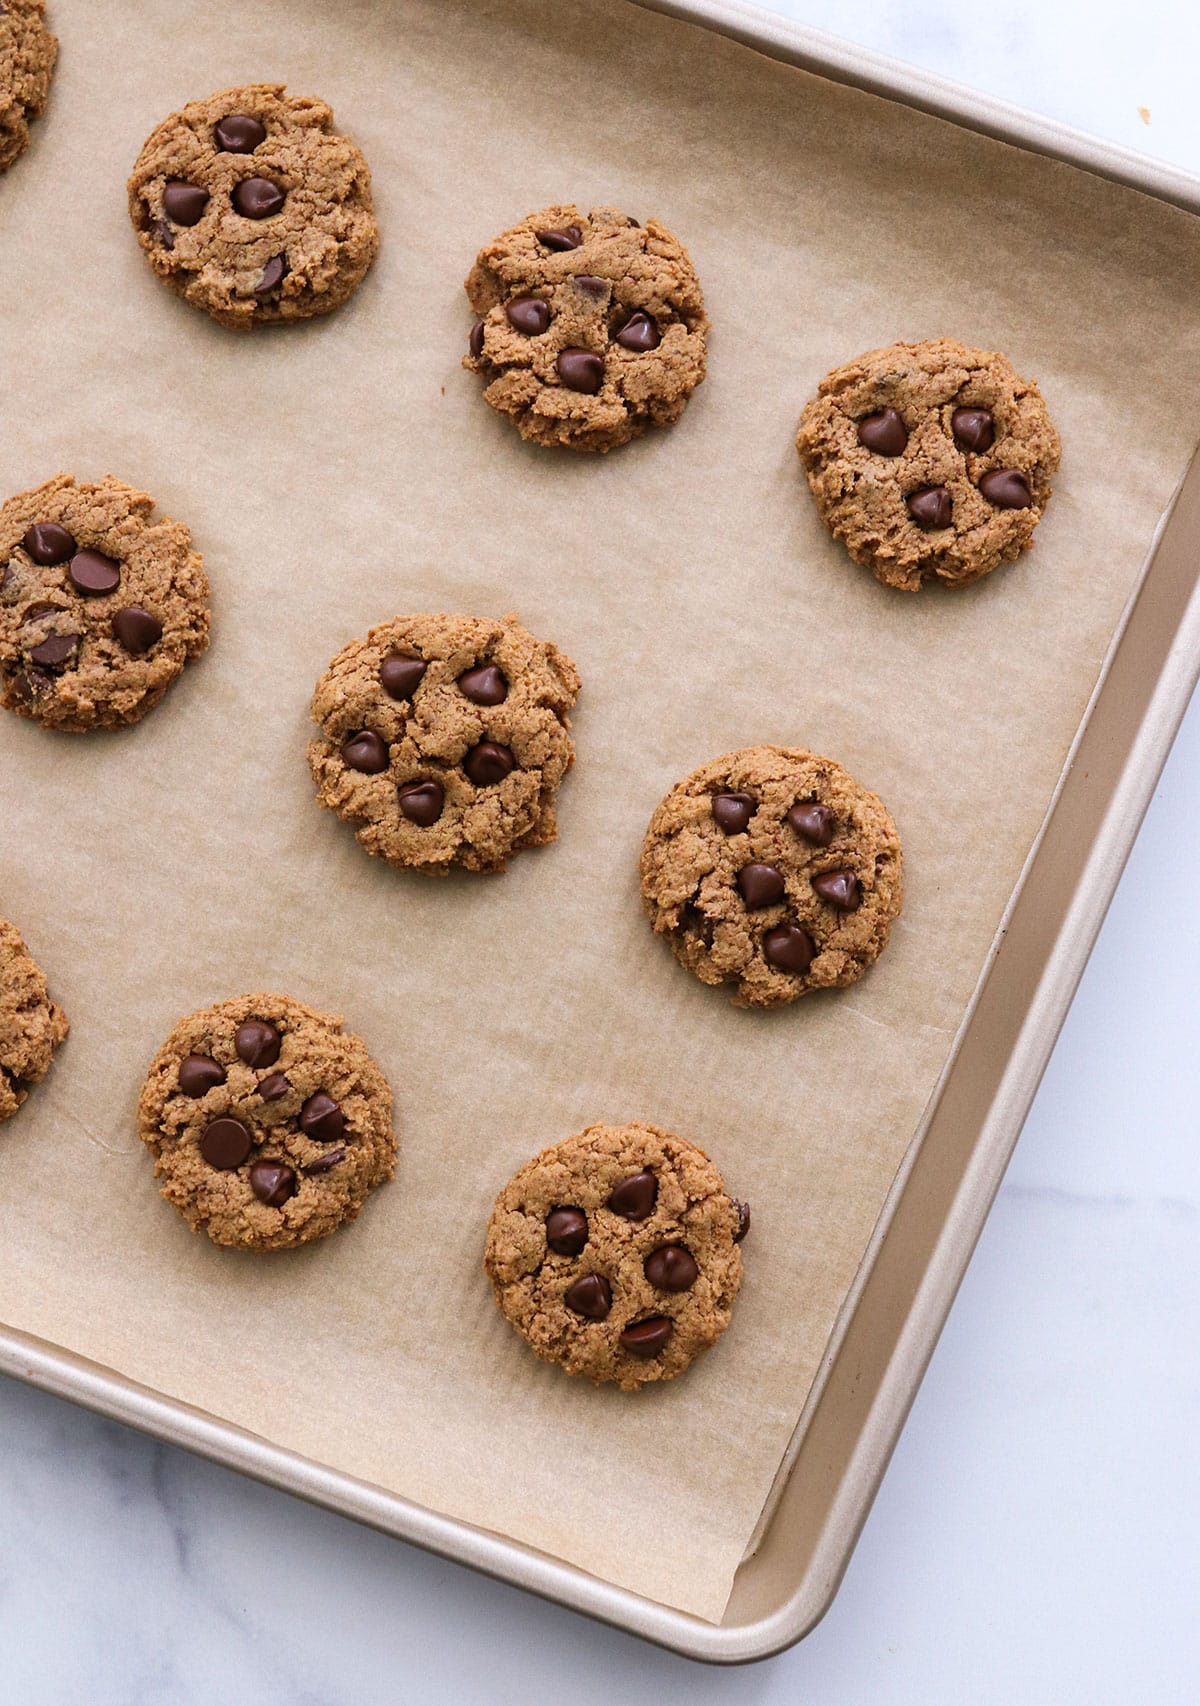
x=337, y=474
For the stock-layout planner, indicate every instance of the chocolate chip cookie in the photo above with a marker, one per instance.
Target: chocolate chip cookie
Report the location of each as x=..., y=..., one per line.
x=27, y=55
x=31, y=1025
x=444, y=738
x=101, y=604
x=774, y=871
x=615, y=1254
x=251, y=206
x=929, y=460
x=590, y=328
x=269, y=1124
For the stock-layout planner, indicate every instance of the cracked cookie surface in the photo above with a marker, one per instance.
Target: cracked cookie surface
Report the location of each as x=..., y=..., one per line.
x=444, y=739
x=269, y=1124
x=101, y=604
x=773, y=870
x=27, y=55
x=929, y=461
x=252, y=207
x=31, y=1025
x=615, y=1253
x=590, y=327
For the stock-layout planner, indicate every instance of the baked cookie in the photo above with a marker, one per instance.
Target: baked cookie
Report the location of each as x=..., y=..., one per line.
x=772, y=870
x=31, y=1025
x=100, y=605
x=929, y=460
x=252, y=207
x=590, y=328
x=615, y=1254
x=444, y=738
x=269, y=1124
x=27, y=55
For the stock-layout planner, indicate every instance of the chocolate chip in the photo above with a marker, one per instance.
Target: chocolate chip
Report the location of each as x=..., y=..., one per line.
x=257, y=198
x=257, y=1043
x=635, y=1196
x=324, y=1163
x=931, y=507
x=489, y=763
x=646, y=1338
x=225, y=1144
x=812, y=822
x=422, y=802
x=184, y=203
x=238, y=134
x=35, y=612
x=274, y=1086
x=29, y=684
x=883, y=432
x=475, y=341
x=743, y=1214
x=591, y=285
x=366, y=752
x=840, y=888
x=1007, y=488
x=732, y=812
x=590, y=1297
x=272, y=275
x=48, y=543
x=640, y=332
x=93, y=574
x=789, y=948
x=400, y=675
x=570, y=237
x=580, y=370
x=761, y=885
x=484, y=686
x=973, y=429
x=164, y=233
x=322, y=1119
x=566, y=1231
x=136, y=629
x=671, y=1268
x=199, y=1073
x=56, y=651
x=528, y=314
x=272, y=1182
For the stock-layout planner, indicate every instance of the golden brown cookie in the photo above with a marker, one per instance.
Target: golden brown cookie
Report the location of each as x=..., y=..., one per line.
x=929, y=460
x=772, y=870
x=27, y=55
x=101, y=604
x=591, y=329
x=269, y=1124
x=444, y=738
x=251, y=206
x=31, y=1025
x=615, y=1254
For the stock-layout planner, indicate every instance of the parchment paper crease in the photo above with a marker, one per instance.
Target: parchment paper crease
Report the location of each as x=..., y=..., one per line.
x=338, y=474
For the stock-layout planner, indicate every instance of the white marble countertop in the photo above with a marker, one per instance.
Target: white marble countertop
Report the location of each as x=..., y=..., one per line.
x=1035, y=1540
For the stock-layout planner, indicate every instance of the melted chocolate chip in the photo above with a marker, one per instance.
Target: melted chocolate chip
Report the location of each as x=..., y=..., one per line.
x=324, y=1163
x=646, y=1338
x=48, y=543
x=761, y=885
x=199, y=1073
x=94, y=575
x=273, y=275
x=566, y=1231
x=973, y=429
x=640, y=333
x=812, y=822
x=400, y=675
x=225, y=1144
x=257, y=1043
x=257, y=198
x=570, y=237
x=272, y=1182
x=529, y=315
x=931, y=507
x=184, y=203
x=422, y=802
x=238, y=134
x=732, y=812
x=1007, y=488
x=671, y=1268
x=274, y=1086
x=634, y=1197
x=580, y=370
x=489, y=763
x=484, y=685
x=789, y=948
x=884, y=433
x=590, y=1296
x=322, y=1119
x=475, y=341
x=366, y=752
x=841, y=889
x=136, y=629
x=56, y=651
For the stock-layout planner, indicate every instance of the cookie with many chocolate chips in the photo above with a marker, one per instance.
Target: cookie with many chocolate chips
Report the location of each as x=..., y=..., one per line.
x=251, y=206
x=444, y=739
x=615, y=1254
x=590, y=327
x=270, y=1125
x=27, y=55
x=31, y=1025
x=101, y=604
x=774, y=871
x=929, y=461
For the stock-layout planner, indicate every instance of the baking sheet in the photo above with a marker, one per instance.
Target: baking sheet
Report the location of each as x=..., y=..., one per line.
x=337, y=474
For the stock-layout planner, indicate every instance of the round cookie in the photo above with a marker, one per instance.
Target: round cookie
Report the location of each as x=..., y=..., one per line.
x=590, y=328
x=31, y=1025
x=929, y=460
x=615, y=1254
x=27, y=55
x=772, y=870
x=444, y=738
x=101, y=606
x=269, y=1124
x=252, y=207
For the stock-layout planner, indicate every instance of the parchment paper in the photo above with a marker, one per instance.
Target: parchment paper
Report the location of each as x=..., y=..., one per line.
x=338, y=474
